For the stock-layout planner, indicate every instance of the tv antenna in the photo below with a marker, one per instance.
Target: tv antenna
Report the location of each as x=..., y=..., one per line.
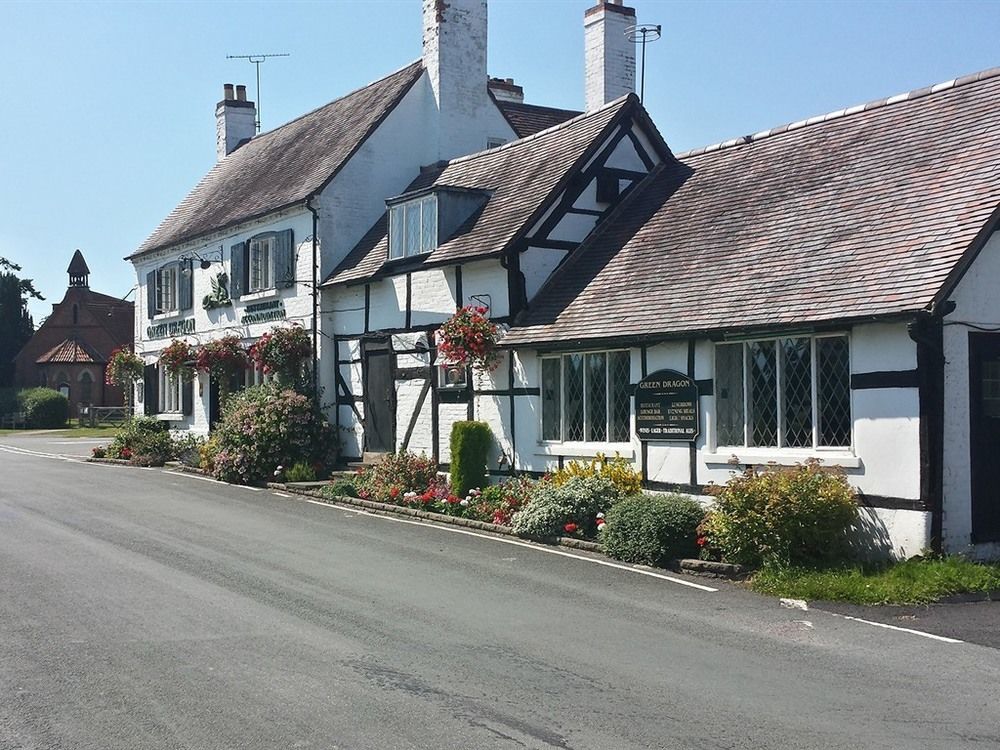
x=257, y=60
x=642, y=33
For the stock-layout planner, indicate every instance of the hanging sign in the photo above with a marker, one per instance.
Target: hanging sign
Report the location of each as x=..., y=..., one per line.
x=666, y=407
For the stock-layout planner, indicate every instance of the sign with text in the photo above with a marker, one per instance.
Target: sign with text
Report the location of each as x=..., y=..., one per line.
x=172, y=329
x=666, y=407
x=263, y=312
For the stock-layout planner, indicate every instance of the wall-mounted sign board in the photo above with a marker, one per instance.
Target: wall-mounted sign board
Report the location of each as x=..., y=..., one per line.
x=171, y=328
x=666, y=407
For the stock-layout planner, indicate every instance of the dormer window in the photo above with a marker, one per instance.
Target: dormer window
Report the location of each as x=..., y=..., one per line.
x=413, y=227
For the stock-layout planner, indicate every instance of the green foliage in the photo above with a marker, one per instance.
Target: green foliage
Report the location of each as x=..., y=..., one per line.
x=395, y=475
x=617, y=469
x=16, y=325
x=207, y=452
x=187, y=448
x=651, y=529
x=470, y=447
x=576, y=502
x=915, y=581
x=43, y=407
x=794, y=516
x=339, y=488
x=144, y=441
x=499, y=502
x=265, y=427
x=300, y=472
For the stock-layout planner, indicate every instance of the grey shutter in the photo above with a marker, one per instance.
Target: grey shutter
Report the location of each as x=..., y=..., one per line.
x=151, y=389
x=150, y=294
x=284, y=259
x=185, y=285
x=187, y=398
x=238, y=268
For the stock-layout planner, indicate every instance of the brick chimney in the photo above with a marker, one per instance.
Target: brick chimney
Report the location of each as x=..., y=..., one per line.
x=235, y=120
x=610, y=56
x=454, y=56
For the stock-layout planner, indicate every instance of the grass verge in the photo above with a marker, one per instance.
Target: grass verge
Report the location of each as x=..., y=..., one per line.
x=916, y=581
x=69, y=432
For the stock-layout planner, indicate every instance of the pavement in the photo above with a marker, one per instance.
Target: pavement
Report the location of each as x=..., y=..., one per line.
x=141, y=608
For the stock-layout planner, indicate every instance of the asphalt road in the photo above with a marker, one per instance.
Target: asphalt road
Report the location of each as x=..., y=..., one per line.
x=144, y=609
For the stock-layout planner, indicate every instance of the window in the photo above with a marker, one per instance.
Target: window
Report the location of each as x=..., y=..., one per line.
x=257, y=376
x=413, y=227
x=792, y=392
x=586, y=397
x=170, y=392
x=166, y=289
x=261, y=259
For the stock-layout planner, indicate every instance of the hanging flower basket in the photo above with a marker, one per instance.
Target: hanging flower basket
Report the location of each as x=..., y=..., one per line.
x=469, y=339
x=124, y=369
x=282, y=351
x=178, y=359
x=222, y=359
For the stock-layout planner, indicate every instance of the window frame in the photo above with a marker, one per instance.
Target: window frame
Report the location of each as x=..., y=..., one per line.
x=781, y=395
x=169, y=393
x=397, y=235
x=585, y=399
x=262, y=243
x=169, y=272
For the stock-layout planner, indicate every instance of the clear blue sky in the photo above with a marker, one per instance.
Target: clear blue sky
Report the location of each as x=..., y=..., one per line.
x=107, y=109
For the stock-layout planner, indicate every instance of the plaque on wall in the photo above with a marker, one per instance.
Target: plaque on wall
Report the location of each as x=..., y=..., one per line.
x=666, y=407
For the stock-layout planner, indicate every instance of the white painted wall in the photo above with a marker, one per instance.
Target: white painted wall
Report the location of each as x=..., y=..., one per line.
x=975, y=299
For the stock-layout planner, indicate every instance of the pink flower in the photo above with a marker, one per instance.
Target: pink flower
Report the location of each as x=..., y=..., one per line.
x=570, y=528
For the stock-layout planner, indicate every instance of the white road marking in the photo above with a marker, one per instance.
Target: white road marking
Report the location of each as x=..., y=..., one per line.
x=921, y=633
x=517, y=543
x=281, y=494
x=77, y=441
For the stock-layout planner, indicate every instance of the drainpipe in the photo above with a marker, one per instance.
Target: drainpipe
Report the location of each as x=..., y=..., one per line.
x=315, y=300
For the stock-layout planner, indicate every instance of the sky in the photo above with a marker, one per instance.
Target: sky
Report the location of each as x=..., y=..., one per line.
x=107, y=109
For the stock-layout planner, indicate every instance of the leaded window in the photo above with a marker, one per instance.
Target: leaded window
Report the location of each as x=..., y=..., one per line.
x=166, y=289
x=413, y=227
x=586, y=397
x=261, y=263
x=790, y=392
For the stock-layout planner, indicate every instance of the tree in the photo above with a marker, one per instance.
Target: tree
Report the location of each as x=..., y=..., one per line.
x=16, y=325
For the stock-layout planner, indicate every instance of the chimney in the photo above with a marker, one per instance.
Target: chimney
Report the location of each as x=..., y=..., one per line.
x=454, y=57
x=505, y=90
x=610, y=56
x=235, y=120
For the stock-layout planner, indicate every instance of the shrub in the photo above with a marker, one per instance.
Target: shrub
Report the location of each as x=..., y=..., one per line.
x=300, y=472
x=264, y=427
x=339, y=488
x=795, y=516
x=187, y=448
x=651, y=529
x=395, y=475
x=144, y=441
x=470, y=446
x=499, y=502
x=207, y=452
x=43, y=407
x=576, y=502
x=617, y=469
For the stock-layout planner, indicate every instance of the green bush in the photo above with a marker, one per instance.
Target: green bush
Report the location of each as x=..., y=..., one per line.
x=300, y=472
x=651, y=529
x=187, y=448
x=144, y=441
x=577, y=501
x=470, y=447
x=264, y=427
x=390, y=479
x=794, y=516
x=43, y=407
x=339, y=488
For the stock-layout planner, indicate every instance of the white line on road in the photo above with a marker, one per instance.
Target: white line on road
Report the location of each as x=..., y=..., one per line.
x=921, y=633
x=281, y=494
x=516, y=543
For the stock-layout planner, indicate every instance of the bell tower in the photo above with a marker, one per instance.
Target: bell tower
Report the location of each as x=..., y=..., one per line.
x=79, y=273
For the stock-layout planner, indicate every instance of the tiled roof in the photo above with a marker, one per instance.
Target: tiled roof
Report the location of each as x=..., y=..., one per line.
x=519, y=176
x=284, y=166
x=862, y=213
x=70, y=351
x=528, y=119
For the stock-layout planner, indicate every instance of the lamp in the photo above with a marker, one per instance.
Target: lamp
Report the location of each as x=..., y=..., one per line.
x=203, y=263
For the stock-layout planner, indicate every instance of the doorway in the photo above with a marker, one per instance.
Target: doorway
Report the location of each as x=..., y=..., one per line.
x=379, y=361
x=984, y=434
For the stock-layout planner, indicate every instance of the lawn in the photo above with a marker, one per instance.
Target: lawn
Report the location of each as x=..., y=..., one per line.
x=916, y=581
x=70, y=432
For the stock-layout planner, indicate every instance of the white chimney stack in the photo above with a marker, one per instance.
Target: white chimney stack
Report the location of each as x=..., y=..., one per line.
x=235, y=120
x=610, y=55
x=454, y=56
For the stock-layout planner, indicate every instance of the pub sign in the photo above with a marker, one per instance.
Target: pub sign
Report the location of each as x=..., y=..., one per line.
x=666, y=407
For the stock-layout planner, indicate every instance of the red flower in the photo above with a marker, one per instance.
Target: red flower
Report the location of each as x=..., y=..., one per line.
x=570, y=528
x=702, y=541
x=394, y=492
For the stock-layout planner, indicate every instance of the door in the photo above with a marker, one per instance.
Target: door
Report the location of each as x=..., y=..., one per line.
x=984, y=435
x=379, y=396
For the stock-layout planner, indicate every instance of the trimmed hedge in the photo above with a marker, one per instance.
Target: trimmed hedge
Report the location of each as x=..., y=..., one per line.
x=44, y=408
x=652, y=529
x=470, y=447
